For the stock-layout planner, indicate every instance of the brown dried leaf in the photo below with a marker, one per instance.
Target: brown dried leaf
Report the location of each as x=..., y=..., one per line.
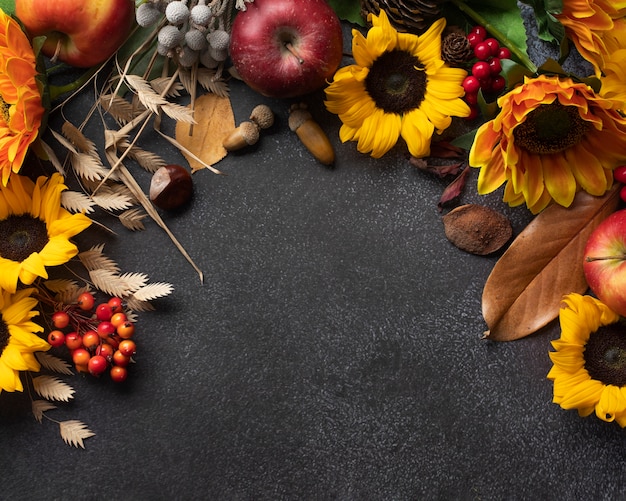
x=215, y=120
x=524, y=290
x=52, y=388
x=73, y=432
x=454, y=189
x=477, y=229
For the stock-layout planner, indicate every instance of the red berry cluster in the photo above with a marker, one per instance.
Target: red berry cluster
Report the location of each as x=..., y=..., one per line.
x=98, y=337
x=486, y=71
x=619, y=174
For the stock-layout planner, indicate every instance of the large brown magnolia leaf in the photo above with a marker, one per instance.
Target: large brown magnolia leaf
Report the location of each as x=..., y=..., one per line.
x=523, y=293
x=202, y=141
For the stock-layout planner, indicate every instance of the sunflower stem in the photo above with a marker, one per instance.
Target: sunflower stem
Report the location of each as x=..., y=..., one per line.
x=521, y=56
x=58, y=90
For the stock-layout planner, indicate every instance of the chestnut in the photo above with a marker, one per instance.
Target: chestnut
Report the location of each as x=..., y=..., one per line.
x=171, y=187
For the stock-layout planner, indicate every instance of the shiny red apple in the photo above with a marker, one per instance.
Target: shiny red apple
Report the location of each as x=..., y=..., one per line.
x=286, y=48
x=81, y=33
x=605, y=262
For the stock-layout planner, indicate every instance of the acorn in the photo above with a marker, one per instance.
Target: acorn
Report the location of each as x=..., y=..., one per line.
x=311, y=134
x=246, y=134
x=171, y=187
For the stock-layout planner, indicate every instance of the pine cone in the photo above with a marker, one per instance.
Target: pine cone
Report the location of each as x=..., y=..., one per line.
x=413, y=16
x=456, y=49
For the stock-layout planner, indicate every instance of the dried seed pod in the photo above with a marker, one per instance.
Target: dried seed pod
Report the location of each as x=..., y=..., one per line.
x=311, y=134
x=246, y=134
x=477, y=229
x=263, y=116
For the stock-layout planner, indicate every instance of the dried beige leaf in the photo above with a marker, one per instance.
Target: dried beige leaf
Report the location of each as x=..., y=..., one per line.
x=109, y=200
x=119, y=108
x=52, y=388
x=75, y=201
x=77, y=138
x=524, y=290
x=73, y=432
x=132, y=219
x=53, y=363
x=153, y=291
x=156, y=103
x=88, y=166
x=146, y=159
x=94, y=259
x=215, y=120
x=38, y=407
x=136, y=305
x=109, y=282
x=163, y=86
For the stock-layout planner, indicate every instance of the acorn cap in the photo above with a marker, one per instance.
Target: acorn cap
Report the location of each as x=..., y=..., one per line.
x=263, y=116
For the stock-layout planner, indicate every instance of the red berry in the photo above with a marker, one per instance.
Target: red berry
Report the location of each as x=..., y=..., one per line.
x=103, y=311
x=474, y=112
x=495, y=65
x=60, y=319
x=86, y=301
x=126, y=330
x=498, y=84
x=73, y=340
x=118, y=319
x=97, y=365
x=486, y=83
x=504, y=53
x=105, y=329
x=493, y=45
x=481, y=70
x=471, y=84
x=619, y=174
x=91, y=340
x=116, y=304
x=482, y=51
x=114, y=341
x=80, y=356
x=118, y=374
x=106, y=350
x=622, y=193
x=473, y=39
x=480, y=31
x=56, y=338
x=471, y=98
x=127, y=347
x=120, y=359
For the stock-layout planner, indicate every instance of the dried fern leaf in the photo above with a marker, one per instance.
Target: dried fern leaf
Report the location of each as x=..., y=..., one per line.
x=153, y=291
x=134, y=281
x=209, y=81
x=119, y=108
x=88, y=166
x=75, y=201
x=38, y=407
x=60, y=284
x=132, y=219
x=164, y=87
x=94, y=259
x=155, y=102
x=77, y=138
x=54, y=364
x=179, y=113
x=73, y=432
x=146, y=159
x=52, y=388
x=135, y=305
x=52, y=157
x=109, y=200
x=64, y=142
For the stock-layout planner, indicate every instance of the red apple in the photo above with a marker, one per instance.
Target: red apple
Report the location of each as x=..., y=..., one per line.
x=286, y=48
x=605, y=262
x=81, y=33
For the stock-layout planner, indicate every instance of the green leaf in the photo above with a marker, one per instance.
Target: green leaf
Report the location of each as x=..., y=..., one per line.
x=8, y=6
x=514, y=73
x=348, y=10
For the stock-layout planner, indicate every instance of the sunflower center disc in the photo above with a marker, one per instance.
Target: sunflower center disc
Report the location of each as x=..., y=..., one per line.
x=551, y=128
x=605, y=355
x=4, y=336
x=396, y=83
x=20, y=236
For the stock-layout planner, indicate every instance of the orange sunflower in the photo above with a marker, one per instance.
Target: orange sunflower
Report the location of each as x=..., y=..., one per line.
x=21, y=109
x=551, y=138
x=590, y=24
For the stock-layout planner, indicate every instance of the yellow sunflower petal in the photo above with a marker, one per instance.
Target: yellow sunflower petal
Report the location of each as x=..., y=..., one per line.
x=417, y=131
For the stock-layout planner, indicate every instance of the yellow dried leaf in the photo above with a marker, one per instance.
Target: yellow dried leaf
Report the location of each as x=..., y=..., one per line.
x=203, y=140
x=524, y=290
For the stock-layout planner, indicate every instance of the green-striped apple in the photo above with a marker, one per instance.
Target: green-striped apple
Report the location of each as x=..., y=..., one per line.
x=81, y=33
x=605, y=261
x=286, y=48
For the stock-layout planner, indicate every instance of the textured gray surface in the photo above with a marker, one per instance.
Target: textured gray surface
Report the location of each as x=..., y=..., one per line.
x=333, y=352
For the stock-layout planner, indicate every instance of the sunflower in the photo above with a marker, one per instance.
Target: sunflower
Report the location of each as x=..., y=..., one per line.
x=589, y=370
x=34, y=229
x=21, y=109
x=18, y=340
x=551, y=138
x=613, y=78
x=399, y=86
x=590, y=24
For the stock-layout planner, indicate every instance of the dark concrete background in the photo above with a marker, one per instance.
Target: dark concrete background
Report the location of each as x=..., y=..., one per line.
x=334, y=351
